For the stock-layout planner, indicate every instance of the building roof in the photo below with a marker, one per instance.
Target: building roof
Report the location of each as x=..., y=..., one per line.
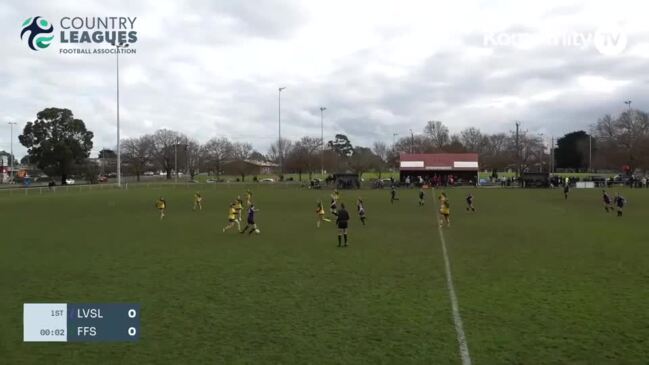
x=438, y=161
x=254, y=162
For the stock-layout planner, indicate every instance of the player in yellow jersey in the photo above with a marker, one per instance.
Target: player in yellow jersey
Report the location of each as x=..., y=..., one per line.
x=333, y=206
x=232, y=217
x=445, y=211
x=249, y=198
x=238, y=206
x=161, y=205
x=198, y=201
x=320, y=212
x=442, y=198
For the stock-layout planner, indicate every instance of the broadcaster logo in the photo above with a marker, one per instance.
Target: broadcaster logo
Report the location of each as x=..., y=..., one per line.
x=37, y=26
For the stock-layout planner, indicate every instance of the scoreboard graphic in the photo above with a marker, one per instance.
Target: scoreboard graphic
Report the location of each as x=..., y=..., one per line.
x=65, y=322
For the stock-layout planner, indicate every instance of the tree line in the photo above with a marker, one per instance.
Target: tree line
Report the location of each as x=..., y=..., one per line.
x=60, y=144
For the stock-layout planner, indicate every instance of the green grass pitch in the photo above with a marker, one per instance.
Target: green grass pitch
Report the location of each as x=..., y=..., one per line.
x=539, y=280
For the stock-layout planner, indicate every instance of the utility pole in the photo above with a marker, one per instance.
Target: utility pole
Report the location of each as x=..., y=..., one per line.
x=11, y=176
x=412, y=142
x=551, y=162
x=394, y=135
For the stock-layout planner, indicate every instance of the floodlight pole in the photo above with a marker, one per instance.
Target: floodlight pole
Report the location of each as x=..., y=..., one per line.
x=322, y=109
x=279, y=123
x=590, y=152
x=119, y=152
x=412, y=141
x=176, y=161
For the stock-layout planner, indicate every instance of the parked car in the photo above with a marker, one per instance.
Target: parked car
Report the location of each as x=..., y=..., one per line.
x=149, y=173
x=102, y=179
x=267, y=180
x=69, y=181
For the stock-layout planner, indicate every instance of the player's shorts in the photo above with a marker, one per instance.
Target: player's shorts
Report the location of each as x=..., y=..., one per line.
x=232, y=220
x=251, y=221
x=342, y=225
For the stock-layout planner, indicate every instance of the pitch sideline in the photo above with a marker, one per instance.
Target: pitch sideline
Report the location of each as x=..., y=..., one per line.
x=457, y=319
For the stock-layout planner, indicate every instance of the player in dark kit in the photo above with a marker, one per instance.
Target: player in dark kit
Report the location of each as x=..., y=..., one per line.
x=342, y=221
x=251, y=220
x=566, y=190
x=606, y=199
x=421, y=197
x=619, y=203
x=469, y=203
x=393, y=195
x=361, y=210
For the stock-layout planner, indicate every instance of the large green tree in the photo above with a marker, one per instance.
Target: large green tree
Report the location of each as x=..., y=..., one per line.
x=56, y=141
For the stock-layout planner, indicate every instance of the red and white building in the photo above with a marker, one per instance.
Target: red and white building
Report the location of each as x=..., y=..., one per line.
x=458, y=168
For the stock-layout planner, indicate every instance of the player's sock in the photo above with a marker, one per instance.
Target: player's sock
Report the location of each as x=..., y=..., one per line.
x=317, y=223
x=339, y=241
x=345, y=235
x=244, y=230
x=619, y=213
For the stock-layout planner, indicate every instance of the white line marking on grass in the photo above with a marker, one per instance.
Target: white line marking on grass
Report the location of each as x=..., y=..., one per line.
x=457, y=319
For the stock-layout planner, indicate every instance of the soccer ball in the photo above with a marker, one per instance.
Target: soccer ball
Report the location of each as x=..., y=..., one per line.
x=257, y=231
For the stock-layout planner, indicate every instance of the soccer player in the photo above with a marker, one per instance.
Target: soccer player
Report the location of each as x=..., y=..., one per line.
x=249, y=197
x=321, y=214
x=251, y=220
x=361, y=210
x=445, y=211
x=393, y=195
x=161, y=204
x=238, y=206
x=342, y=221
x=232, y=217
x=421, y=197
x=566, y=189
x=469, y=203
x=198, y=201
x=442, y=198
x=619, y=203
x=333, y=206
x=606, y=199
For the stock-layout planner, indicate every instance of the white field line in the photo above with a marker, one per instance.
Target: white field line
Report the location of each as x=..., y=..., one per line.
x=457, y=319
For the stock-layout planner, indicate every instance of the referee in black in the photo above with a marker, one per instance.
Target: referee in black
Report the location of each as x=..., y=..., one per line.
x=342, y=220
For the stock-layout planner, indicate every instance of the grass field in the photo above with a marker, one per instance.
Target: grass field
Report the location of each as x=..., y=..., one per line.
x=539, y=280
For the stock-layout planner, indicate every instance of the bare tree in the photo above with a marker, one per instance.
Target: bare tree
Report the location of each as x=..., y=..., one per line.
x=274, y=151
x=164, y=148
x=304, y=156
x=137, y=153
x=438, y=134
x=215, y=152
x=381, y=149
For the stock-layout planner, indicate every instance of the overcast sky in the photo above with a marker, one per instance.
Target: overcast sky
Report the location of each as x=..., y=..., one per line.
x=212, y=68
